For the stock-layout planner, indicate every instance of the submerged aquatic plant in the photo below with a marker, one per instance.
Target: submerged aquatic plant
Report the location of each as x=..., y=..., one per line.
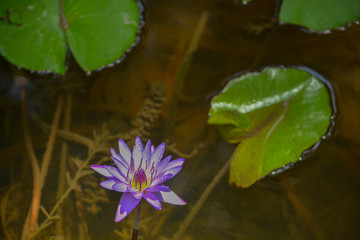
x=140, y=174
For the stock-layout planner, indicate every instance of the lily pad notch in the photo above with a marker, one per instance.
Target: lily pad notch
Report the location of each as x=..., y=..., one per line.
x=36, y=34
x=275, y=116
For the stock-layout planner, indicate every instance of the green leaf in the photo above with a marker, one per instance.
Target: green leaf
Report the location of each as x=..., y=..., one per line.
x=30, y=35
x=276, y=114
x=98, y=32
x=319, y=15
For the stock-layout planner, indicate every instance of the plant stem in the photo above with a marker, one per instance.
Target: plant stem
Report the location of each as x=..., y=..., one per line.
x=136, y=222
x=50, y=144
x=62, y=162
x=63, y=152
x=72, y=185
x=74, y=137
x=39, y=175
x=185, y=65
x=30, y=223
x=201, y=201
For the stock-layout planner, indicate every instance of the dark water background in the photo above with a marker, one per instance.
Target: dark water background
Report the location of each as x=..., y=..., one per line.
x=316, y=199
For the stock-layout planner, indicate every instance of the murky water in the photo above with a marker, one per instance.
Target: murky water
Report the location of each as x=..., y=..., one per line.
x=316, y=199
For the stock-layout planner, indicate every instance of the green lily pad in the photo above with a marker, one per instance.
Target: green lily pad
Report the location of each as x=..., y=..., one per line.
x=319, y=15
x=30, y=35
x=97, y=32
x=100, y=32
x=275, y=114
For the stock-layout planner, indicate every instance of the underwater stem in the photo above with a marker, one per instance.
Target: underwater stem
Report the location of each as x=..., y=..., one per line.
x=30, y=224
x=63, y=158
x=201, y=201
x=63, y=153
x=50, y=144
x=305, y=214
x=38, y=174
x=73, y=183
x=136, y=222
x=74, y=137
x=186, y=62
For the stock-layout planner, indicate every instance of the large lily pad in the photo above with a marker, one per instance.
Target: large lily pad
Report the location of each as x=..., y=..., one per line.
x=97, y=32
x=30, y=36
x=100, y=32
x=275, y=114
x=320, y=15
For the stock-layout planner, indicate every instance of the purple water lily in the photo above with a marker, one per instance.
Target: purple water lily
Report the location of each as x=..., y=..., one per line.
x=140, y=174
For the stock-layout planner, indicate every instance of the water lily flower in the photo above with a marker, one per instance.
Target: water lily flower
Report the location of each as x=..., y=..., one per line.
x=140, y=174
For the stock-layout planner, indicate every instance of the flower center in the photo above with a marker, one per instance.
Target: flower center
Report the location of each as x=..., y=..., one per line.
x=140, y=180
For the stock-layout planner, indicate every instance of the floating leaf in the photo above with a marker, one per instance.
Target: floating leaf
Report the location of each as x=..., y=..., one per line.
x=30, y=35
x=320, y=15
x=100, y=32
x=97, y=32
x=276, y=114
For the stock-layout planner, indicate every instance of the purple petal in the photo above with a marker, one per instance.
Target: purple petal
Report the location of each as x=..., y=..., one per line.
x=108, y=184
x=163, y=163
x=170, y=197
x=102, y=170
x=126, y=205
x=121, y=166
x=146, y=155
x=153, y=200
x=115, y=172
x=113, y=153
x=157, y=155
x=172, y=171
x=175, y=163
x=137, y=194
x=160, y=179
x=166, y=175
x=138, y=142
x=157, y=188
x=132, y=167
x=124, y=151
x=137, y=152
x=120, y=187
x=118, y=157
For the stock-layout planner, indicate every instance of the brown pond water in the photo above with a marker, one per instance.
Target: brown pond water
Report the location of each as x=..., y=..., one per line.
x=318, y=198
